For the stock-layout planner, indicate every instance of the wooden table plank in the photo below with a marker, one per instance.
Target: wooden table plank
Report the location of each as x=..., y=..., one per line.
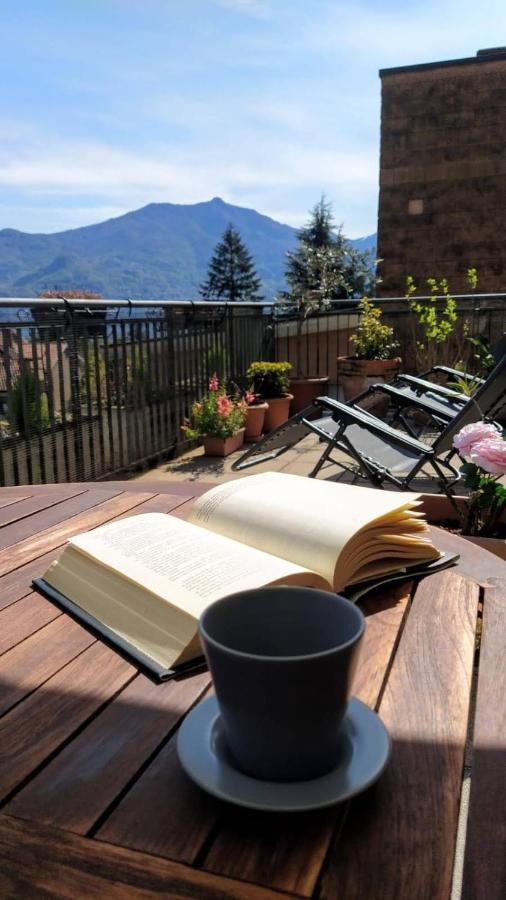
x=17, y=583
x=54, y=537
x=39, y=861
x=24, y=668
x=475, y=563
x=24, y=508
x=485, y=859
x=183, y=489
x=20, y=532
x=6, y=500
x=36, y=727
x=402, y=832
x=24, y=618
x=76, y=788
x=290, y=857
x=164, y=813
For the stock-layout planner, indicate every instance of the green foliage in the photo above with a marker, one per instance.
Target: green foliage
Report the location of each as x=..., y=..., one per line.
x=483, y=355
x=486, y=501
x=216, y=415
x=322, y=269
x=231, y=275
x=324, y=266
x=139, y=377
x=96, y=385
x=27, y=412
x=216, y=360
x=463, y=385
x=434, y=322
x=373, y=339
x=269, y=379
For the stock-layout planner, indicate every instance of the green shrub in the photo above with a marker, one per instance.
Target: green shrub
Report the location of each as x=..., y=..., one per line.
x=269, y=379
x=373, y=339
x=27, y=412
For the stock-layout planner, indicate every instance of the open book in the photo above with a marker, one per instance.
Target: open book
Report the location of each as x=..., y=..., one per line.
x=144, y=580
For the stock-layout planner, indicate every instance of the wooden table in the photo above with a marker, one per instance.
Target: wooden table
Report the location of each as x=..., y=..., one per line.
x=95, y=804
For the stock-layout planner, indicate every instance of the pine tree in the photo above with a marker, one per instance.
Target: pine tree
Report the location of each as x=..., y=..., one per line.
x=325, y=266
x=231, y=274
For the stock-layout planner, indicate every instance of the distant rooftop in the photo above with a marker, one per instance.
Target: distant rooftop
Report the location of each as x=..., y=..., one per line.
x=487, y=55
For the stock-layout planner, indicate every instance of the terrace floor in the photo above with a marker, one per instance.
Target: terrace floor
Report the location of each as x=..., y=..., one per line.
x=196, y=466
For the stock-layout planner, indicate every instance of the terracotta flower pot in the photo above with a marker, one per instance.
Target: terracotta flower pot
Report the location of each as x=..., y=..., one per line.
x=354, y=375
x=305, y=390
x=219, y=446
x=254, y=424
x=278, y=411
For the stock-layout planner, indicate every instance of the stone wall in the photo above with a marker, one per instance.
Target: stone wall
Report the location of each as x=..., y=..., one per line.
x=443, y=174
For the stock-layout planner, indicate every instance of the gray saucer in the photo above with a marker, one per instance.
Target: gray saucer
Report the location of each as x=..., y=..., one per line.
x=205, y=758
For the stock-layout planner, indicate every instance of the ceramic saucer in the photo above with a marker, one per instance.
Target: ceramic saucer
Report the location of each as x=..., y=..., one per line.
x=205, y=758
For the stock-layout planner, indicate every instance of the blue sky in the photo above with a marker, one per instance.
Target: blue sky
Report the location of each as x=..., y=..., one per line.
x=107, y=105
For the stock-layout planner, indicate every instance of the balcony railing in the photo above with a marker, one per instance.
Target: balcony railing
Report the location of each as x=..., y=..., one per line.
x=90, y=389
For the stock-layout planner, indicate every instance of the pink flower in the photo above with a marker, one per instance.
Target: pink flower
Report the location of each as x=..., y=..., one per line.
x=213, y=383
x=490, y=455
x=249, y=397
x=224, y=405
x=473, y=434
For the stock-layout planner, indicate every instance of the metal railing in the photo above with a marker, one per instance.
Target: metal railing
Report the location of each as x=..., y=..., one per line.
x=91, y=388
x=326, y=336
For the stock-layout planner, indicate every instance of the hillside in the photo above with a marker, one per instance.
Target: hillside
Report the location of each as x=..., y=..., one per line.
x=159, y=251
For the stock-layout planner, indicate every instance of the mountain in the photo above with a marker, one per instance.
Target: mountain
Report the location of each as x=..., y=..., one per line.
x=159, y=251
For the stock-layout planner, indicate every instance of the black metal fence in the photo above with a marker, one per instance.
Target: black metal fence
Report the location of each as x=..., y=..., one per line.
x=314, y=347
x=90, y=390
x=93, y=388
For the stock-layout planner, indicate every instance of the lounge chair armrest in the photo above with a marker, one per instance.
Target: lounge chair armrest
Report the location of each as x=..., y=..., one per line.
x=455, y=373
x=355, y=416
x=422, y=385
x=421, y=402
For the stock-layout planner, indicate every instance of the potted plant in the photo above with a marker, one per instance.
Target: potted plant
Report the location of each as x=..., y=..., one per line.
x=270, y=382
x=218, y=421
x=374, y=358
x=256, y=409
x=481, y=517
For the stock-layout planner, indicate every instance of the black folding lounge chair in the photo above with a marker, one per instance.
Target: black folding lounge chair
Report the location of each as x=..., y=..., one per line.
x=380, y=453
x=440, y=402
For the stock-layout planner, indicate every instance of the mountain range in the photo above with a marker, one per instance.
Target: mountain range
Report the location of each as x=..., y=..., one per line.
x=161, y=251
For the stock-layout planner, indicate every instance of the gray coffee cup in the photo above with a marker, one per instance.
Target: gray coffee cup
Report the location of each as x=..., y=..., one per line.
x=282, y=661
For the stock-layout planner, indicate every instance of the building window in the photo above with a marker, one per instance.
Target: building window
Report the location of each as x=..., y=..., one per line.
x=415, y=207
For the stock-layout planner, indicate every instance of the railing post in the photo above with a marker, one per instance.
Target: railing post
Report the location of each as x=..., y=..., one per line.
x=75, y=394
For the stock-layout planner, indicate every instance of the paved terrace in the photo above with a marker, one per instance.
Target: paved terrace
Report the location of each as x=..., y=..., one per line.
x=196, y=466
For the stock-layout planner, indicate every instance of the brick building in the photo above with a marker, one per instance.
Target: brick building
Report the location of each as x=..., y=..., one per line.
x=442, y=204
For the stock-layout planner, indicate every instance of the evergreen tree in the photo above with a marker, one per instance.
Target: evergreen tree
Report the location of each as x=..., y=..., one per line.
x=324, y=266
x=231, y=274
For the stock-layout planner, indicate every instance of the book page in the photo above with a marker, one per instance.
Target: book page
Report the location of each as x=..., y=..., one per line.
x=180, y=564
x=299, y=519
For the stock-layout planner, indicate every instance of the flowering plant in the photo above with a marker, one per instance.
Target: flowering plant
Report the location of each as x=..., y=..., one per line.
x=217, y=414
x=483, y=448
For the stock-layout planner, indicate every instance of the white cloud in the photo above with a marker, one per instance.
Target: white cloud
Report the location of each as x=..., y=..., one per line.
x=256, y=170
